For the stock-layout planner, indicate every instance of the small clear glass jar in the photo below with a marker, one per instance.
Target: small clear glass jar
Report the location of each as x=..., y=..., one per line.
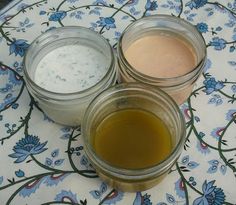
x=67, y=108
x=178, y=87
x=138, y=96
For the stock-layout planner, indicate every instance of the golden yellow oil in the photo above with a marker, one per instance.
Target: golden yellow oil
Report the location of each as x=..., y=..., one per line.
x=132, y=139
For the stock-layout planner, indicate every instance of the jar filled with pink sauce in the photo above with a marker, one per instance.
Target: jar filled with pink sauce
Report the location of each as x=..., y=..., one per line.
x=163, y=51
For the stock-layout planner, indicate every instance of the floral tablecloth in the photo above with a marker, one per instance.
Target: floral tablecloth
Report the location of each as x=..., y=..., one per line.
x=42, y=162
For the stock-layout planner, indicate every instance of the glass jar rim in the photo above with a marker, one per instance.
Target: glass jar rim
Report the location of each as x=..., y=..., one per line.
x=134, y=174
x=54, y=32
x=143, y=77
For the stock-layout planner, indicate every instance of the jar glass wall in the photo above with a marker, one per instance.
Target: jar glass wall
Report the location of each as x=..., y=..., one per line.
x=178, y=86
x=141, y=97
x=66, y=103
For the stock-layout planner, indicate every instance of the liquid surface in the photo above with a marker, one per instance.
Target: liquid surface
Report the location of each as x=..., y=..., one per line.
x=71, y=68
x=161, y=55
x=132, y=139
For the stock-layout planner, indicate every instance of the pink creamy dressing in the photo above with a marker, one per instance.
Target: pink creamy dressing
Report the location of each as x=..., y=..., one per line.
x=161, y=56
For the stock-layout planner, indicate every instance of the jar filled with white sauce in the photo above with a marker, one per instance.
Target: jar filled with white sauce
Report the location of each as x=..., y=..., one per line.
x=65, y=68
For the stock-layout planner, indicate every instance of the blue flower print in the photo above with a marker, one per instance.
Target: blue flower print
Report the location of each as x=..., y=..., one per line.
x=113, y=197
x=202, y=27
x=179, y=188
x=18, y=47
x=212, y=85
x=18, y=66
x=97, y=194
x=233, y=88
x=117, y=35
x=23, y=25
x=129, y=3
x=95, y=11
x=22, y=6
x=15, y=105
x=85, y=162
x=56, y=16
x=107, y=22
x=211, y=195
x=48, y=162
x=151, y=5
x=216, y=165
x=120, y=1
x=232, y=63
x=172, y=6
x=203, y=148
x=66, y=133
x=234, y=36
x=216, y=99
x=29, y=145
x=133, y=11
x=188, y=164
x=93, y=26
x=53, y=161
x=197, y=119
x=218, y=43
x=216, y=132
x=3, y=70
x=7, y=88
x=132, y=2
x=66, y=196
x=192, y=181
x=100, y=2
x=48, y=119
x=58, y=162
x=31, y=188
x=72, y=1
x=8, y=99
x=79, y=14
x=10, y=127
x=42, y=12
x=53, y=180
x=170, y=199
x=201, y=134
x=55, y=153
x=19, y=173
x=196, y=3
x=231, y=114
x=15, y=79
x=185, y=110
x=232, y=49
x=142, y=199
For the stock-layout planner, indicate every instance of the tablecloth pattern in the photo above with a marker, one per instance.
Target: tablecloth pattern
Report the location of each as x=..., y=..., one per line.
x=44, y=163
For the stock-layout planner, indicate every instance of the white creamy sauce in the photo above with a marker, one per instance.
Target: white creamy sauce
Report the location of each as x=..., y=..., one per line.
x=70, y=68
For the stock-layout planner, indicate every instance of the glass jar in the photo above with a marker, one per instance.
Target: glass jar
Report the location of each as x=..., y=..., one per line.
x=180, y=86
x=67, y=107
x=133, y=96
